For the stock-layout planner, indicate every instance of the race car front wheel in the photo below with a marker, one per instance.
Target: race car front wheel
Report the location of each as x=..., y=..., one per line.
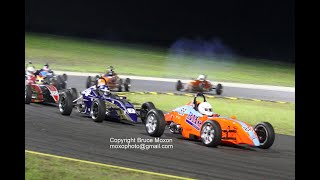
x=155, y=123
x=145, y=108
x=98, y=110
x=211, y=133
x=265, y=133
x=27, y=94
x=127, y=84
x=65, y=103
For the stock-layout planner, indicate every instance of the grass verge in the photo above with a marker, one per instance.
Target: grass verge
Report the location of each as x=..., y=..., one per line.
x=69, y=54
x=39, y=167
x=281, y=116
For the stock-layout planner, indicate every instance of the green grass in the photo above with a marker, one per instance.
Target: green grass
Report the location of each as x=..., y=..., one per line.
x=281, y=116
x=82, y=55
x=39, y=167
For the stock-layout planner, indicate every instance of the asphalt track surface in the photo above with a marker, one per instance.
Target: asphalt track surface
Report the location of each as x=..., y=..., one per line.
x=76, y=136
x=159, y=86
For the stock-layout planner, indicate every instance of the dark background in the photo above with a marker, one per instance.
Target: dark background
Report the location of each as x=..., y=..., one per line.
x=262, y=29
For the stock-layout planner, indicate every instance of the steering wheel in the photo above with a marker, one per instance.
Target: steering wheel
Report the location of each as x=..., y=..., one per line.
x=195, y=100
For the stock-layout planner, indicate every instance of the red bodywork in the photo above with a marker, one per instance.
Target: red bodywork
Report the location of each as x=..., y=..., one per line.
x=42, y=92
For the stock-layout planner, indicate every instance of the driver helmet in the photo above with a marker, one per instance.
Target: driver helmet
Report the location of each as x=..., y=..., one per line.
x=205, y=108
x=110, y=69
x=201, y=77
x=39, y=80
x=46, y=67
x=104, y=89
x=30, y=71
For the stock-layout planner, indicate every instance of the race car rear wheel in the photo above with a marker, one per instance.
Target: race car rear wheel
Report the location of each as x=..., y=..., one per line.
x=65, y=103
x=120, y=85
x=127, y=84
x=265, y=133
x=27, y=94
x=179, y=85
x=64, y=77
x=211, y=133
x=98, y=110
x=60, y=83
x=219, y=89
x=74, y=93
x=145, y=108
x=155, y=123
x=89, y=82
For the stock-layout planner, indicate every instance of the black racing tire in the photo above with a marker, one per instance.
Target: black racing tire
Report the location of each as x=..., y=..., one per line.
x=74, y=93
x=219, y=89
x=127, y=84
x=213, y=137
x=179, y=85
x=64, y=77
x=89, y=82
x=265, y=133
x=201, y=87
x=98, y=110
x=120, y=85
x=65, y=103
x=155, y=123
x=145, y=108
x=28, y=94
x=60, y=83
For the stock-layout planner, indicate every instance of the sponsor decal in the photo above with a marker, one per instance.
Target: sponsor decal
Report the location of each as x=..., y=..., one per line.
x=194, y=121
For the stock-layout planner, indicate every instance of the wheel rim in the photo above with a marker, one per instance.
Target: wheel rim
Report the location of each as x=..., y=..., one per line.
x=262, y=134
x=151, y=123
x=95, y=110
x=207, y=134
x=62, y=104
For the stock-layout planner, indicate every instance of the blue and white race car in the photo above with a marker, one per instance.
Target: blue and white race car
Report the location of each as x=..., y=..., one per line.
x=98, y=102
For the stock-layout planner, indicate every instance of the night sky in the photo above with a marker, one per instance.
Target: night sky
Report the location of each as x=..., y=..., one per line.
x=263, y=29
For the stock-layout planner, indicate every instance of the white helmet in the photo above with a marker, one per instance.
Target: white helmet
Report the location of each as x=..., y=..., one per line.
x=201, y=77
x=205, y=108
x=30, y=70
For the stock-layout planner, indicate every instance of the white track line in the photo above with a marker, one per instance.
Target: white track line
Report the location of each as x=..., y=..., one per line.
x=227, y=84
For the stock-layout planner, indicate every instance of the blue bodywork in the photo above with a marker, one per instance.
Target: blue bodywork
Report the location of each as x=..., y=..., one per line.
x=117, y=107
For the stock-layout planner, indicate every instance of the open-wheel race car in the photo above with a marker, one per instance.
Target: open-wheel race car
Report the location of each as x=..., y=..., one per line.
x=49, y=77
x=114, y=82
x=197, y=121
x=201, y=84
x=98, y=102
x=41, y=89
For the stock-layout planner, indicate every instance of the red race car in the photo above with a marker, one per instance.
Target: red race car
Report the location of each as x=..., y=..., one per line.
x=201, y=84
x=197, y=121
x=37, y=89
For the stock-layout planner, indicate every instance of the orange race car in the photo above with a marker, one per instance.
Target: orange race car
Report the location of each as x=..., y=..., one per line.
x=114, y=82
x=197, y=121
x=201, y=84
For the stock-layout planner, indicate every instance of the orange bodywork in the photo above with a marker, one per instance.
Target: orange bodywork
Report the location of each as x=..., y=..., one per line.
x=233, y=131
x=194, y=85
x=112, y=81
